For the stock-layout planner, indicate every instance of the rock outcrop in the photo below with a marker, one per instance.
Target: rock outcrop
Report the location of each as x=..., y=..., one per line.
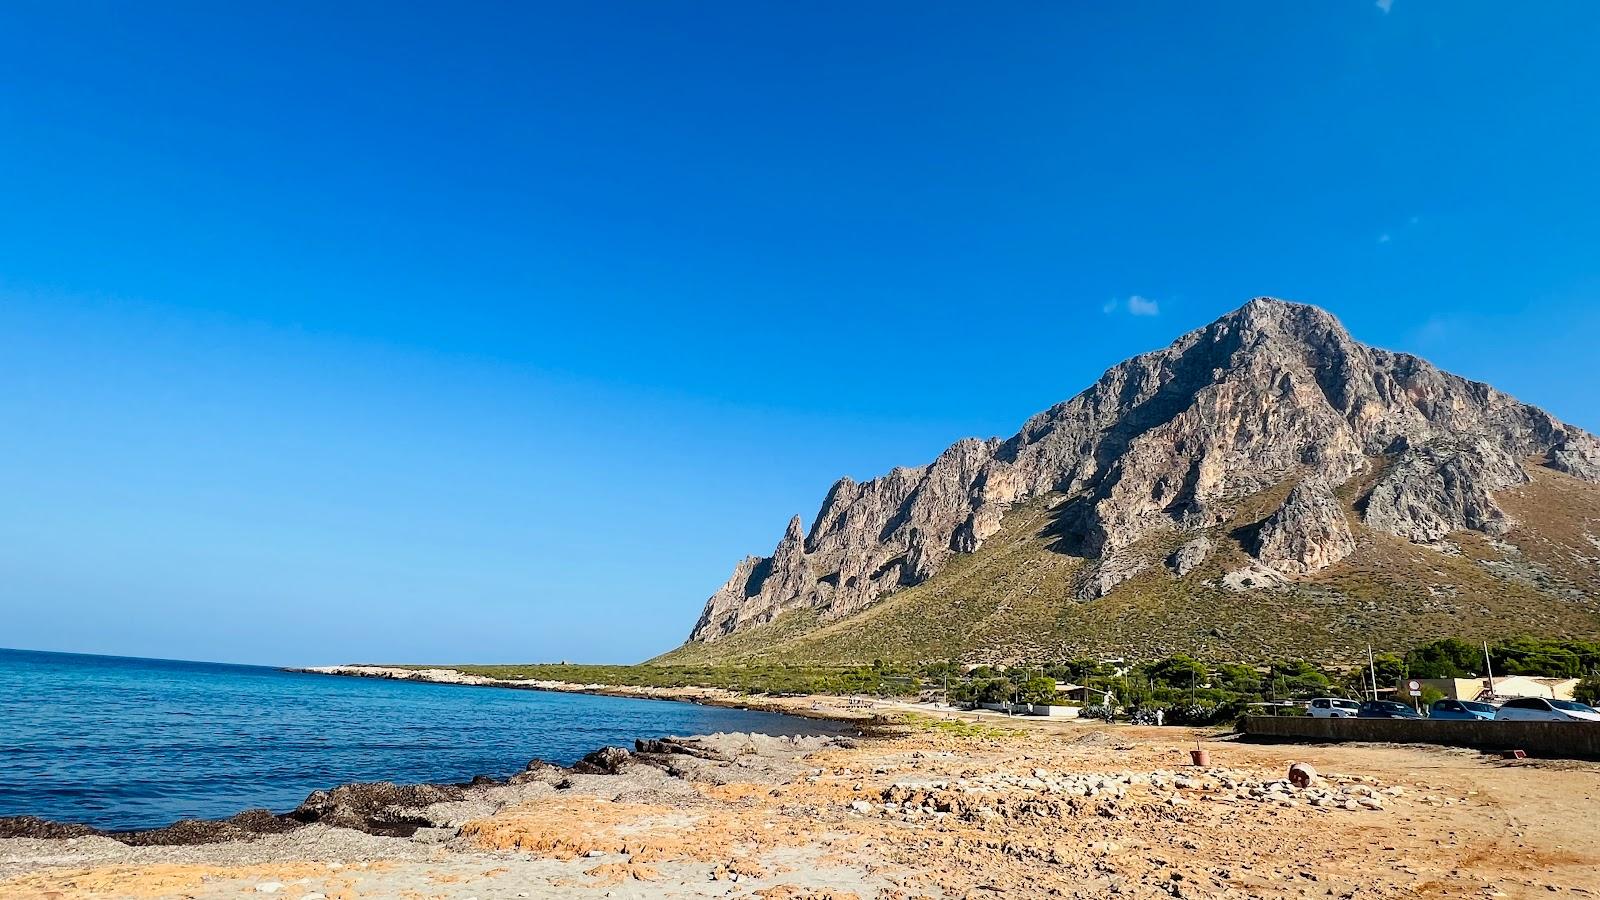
x=1173, y=440
x=1184, y=559
x=1308, y=532
x=1578, y=456
x=1442, y=487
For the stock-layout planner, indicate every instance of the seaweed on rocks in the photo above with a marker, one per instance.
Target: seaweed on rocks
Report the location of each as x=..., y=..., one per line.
x=245, y=826
x=379, y=807
x=35, y=827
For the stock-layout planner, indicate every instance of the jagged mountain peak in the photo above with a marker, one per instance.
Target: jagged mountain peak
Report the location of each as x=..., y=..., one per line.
x=1169, y=443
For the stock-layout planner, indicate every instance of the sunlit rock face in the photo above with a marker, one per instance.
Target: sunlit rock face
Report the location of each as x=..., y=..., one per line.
x=1308, y=532
x=1171, y=441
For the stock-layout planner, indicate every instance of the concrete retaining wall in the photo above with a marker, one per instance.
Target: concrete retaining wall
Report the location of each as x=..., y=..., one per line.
x=1544, y=740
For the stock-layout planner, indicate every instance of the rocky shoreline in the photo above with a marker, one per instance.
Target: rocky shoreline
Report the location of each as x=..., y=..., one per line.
x=432, y=812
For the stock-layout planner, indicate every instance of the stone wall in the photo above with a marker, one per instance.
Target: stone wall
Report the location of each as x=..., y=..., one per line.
x=1541, y=740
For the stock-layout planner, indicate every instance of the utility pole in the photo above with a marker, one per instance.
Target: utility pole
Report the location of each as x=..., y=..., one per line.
x=1372, y=666
x=1489, y=668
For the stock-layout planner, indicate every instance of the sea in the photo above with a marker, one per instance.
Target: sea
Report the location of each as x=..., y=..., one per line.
x=121, y=743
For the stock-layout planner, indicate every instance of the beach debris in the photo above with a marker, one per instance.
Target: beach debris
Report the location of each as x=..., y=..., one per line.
x=1302, y=774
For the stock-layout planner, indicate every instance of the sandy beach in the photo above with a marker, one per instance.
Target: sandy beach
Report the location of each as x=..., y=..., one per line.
x=935, y=807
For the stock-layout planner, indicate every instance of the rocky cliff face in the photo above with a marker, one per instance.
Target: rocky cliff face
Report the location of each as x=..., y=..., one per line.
x=1168, y=443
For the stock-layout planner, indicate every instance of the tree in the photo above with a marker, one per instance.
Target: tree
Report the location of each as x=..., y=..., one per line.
x=1039, y=690
x=1390, y=668
x=1588, y=690
x=1448, y=658
x=994, y=690
x=1298, y=677
x=1240, y=678
x=1533, y=656
x=1177, y=671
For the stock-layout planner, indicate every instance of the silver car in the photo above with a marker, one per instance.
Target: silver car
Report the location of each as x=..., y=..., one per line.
x=1538, y=709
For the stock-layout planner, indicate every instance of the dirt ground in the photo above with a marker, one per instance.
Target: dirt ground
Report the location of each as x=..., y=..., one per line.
x=937, y=809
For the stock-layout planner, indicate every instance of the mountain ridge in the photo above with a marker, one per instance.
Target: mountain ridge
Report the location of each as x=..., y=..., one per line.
x=1170, y=443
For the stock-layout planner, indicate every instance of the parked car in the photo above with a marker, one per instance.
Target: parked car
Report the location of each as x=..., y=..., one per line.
x=1538, y=709
x=1467, y=710
x=1386, y=709
x=1333, y=708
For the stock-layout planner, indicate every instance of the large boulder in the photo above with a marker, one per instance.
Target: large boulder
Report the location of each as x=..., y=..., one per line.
x=1183, y=560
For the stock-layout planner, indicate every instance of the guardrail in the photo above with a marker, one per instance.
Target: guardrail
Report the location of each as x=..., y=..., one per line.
x=1547, y=740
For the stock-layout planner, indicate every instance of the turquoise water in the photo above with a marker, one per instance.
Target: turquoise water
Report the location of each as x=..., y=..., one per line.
x=123, y=743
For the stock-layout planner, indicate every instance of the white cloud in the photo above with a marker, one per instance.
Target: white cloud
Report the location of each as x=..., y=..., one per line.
x=1436, y=331
x=1135, y=305
x=1384, y=5
x=1141, y=306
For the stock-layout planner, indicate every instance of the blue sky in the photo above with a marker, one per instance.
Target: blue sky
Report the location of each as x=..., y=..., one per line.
x=500, y=331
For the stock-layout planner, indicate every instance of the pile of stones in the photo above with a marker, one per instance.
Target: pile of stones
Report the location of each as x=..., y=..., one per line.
x=1041, y=792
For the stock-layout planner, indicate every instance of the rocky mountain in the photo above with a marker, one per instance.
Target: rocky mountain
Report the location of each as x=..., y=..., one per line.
x=1164, y=465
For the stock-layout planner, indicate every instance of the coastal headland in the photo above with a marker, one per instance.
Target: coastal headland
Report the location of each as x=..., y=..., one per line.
x=915, y=805
x=821, y=706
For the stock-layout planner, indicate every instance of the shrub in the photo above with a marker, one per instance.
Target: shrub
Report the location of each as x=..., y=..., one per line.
x=1039, y=690
x=1099, y=711
x=1143, y=716
x=1193, y=714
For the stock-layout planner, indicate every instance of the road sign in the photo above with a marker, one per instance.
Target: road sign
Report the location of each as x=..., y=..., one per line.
x=1416, y=688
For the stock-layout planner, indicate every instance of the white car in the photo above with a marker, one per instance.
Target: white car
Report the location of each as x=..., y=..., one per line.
x=1333, y=708
x=1538, y=709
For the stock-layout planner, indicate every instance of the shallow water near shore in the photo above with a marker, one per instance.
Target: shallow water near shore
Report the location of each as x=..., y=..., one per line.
x=121, y=743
